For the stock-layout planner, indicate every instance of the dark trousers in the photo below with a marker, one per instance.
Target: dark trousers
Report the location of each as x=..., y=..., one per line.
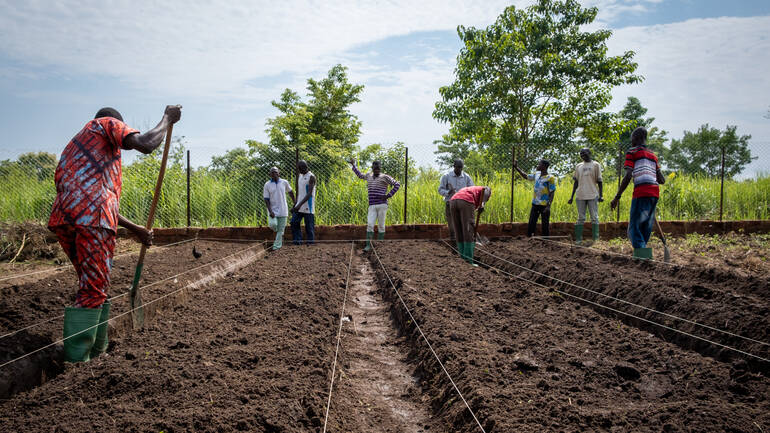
x=448, y=215
x=296, y=231
x=538, y=211
x=462, y=213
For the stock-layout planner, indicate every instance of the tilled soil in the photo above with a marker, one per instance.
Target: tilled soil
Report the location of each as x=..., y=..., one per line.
x=251, y=353
x=528, y=359
x=704, y=302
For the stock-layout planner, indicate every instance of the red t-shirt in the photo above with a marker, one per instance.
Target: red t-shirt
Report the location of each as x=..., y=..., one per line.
x=89, y=176
x=644, y=165
x=471, y=194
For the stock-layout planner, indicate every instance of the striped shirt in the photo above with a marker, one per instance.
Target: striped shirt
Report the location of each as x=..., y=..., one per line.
x=644, y=166
x=378, y=186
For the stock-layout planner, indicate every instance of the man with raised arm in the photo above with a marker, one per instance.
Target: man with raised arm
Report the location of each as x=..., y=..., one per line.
x=451, y=182
x=587, y=182
x=274, y=193
x=377, y=185
x=641, y=166
x=545, y=186
x=305, y=207
x=85, y=219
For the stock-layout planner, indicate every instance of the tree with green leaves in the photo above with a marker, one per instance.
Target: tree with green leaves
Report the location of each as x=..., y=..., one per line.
x=631, y=116
x=700, y=152
x=391, y=159
x=534, y=78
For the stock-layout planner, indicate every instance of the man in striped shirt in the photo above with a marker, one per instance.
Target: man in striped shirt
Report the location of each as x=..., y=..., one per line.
x=377, y=184
x=641, y=166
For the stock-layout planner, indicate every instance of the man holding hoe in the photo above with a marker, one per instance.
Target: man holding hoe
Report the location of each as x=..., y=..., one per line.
x=85, y=219
x=641, y=165
x=377, y=185
x=463, y=207
x=588, y=184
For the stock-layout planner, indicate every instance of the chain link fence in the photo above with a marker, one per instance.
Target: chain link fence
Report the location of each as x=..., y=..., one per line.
x=228, y=191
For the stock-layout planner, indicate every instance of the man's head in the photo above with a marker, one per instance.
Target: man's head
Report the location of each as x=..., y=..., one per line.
x=376, y=168
x=108, y=112
x=487, y=194
x=458, y=166
x=302, y=166
x=543, y=165
x=585, y=154
x=275, y=173
x=639, y=136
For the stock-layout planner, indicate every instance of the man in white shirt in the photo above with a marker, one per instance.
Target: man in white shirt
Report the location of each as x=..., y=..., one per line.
x=304, y=208
x=453, y=181
x=274, y=194
x=588, y=185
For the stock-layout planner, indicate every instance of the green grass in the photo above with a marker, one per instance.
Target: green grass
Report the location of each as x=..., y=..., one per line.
x=224, y=201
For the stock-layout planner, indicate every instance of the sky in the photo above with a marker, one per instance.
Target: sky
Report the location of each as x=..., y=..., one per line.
x=704, y=61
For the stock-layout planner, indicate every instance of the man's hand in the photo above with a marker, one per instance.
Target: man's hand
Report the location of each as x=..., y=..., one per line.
x=569, y=201
x=272, y=215
x=481, y=210
x=601, y=199
x=145, y=236
x=294, y=209
x=352, y=161
x=614, y=203
x=174, y=113
x=451, y=192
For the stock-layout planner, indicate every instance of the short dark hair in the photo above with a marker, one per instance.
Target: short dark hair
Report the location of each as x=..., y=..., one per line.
x=108, y=112
x=375, y=162
x=458, y=161
x=639, y=136
x=545, y=162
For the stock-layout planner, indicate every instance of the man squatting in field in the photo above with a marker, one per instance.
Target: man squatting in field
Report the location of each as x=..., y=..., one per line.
x=641, y=165
x=463, y=207
x=85, y=219
x=305, y=206
x=451, y=182
x=545, y=186
x=274, y=193
x=588, y=184
x=377, y=185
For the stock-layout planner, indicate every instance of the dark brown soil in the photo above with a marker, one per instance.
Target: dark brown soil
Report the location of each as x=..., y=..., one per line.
x=528, y=359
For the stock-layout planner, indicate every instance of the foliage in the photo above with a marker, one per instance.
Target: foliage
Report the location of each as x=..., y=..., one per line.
x=700, y=153
x=391, y=159
x=533, y=78
x=42, y=164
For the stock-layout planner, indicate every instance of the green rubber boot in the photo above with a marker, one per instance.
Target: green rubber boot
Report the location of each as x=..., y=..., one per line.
x=380, y=236
x=100, y=343
x=470, y=247
x=369, y=236
x=643, y=253
x=595, y=232
x=461, y=249
x=79, y=332
x=578, y=233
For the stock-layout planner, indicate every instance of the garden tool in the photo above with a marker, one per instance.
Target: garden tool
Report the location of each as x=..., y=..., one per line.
x=666, y=252
x=481, y=240
x=137, y=307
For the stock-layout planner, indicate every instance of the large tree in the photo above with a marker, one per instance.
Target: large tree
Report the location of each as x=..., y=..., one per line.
x=701, y=152
x=534, y=78
x=632, y=116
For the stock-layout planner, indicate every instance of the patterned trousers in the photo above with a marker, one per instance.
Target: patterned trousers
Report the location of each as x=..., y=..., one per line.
x=90, y=250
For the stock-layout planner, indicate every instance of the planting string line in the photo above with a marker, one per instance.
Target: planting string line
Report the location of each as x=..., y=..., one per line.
x=126, y=293
x=59, y=268
x=618, y=311
x=426, y=339
x=671, y=316
x=597, y=250
x=339, y=334
x=114, y=317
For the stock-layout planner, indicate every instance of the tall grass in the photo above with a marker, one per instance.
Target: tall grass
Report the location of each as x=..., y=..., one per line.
x=224, y=201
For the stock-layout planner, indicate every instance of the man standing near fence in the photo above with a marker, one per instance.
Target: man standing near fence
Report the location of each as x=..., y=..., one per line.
x=453, y=181
x=85, y=219
x=587, y=182
x=305, y=207
x=545, y=186
x=274, y=194
x=641, y=165
x=377, y=185
x=463, y=207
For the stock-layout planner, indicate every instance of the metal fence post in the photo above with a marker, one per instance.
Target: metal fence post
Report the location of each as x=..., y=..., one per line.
x=295, y=171
x=513, y=175
x=406, y=180
x=722, y=186
x=620, y=170
x=188, y=188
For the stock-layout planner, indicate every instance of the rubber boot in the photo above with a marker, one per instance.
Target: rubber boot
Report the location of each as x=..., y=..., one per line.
x=595, y=232
x=380, y=236
x=643, y=253
x=461, y=249
x=79, y=332
x=369, y=236
x=100, y=343
x=578, y=234
x=470, y=247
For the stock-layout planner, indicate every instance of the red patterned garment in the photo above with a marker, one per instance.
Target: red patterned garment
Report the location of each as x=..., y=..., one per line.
x=89, y=176
x=90, y=249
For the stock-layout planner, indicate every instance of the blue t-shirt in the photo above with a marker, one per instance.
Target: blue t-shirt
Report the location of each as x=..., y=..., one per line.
x=543, y=186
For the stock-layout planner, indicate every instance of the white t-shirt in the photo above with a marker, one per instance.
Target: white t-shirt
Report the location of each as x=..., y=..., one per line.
x=303, y=185
x=588, y=175
x=276, y=193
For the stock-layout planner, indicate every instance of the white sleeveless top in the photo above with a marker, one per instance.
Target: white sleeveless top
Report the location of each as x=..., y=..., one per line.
x=303, y=185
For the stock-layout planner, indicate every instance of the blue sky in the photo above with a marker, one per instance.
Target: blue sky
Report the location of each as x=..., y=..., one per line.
x=704, y=61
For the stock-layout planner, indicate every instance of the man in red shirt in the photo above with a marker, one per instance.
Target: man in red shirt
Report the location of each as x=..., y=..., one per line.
x=641, y=165
x=85, y=218
x=462, y=207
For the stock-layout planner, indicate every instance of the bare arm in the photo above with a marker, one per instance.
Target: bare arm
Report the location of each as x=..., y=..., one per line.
x=521, y=173
x=601, y=191
x=269, y=210
x=355, y=170
x=623, y=185
x=151, y=139
x=311, y=184
x=575, y=187
x=144, y=235
x=659, y=175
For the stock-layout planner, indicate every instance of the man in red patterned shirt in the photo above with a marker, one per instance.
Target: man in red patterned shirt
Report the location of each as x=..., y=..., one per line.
x=85, y=218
